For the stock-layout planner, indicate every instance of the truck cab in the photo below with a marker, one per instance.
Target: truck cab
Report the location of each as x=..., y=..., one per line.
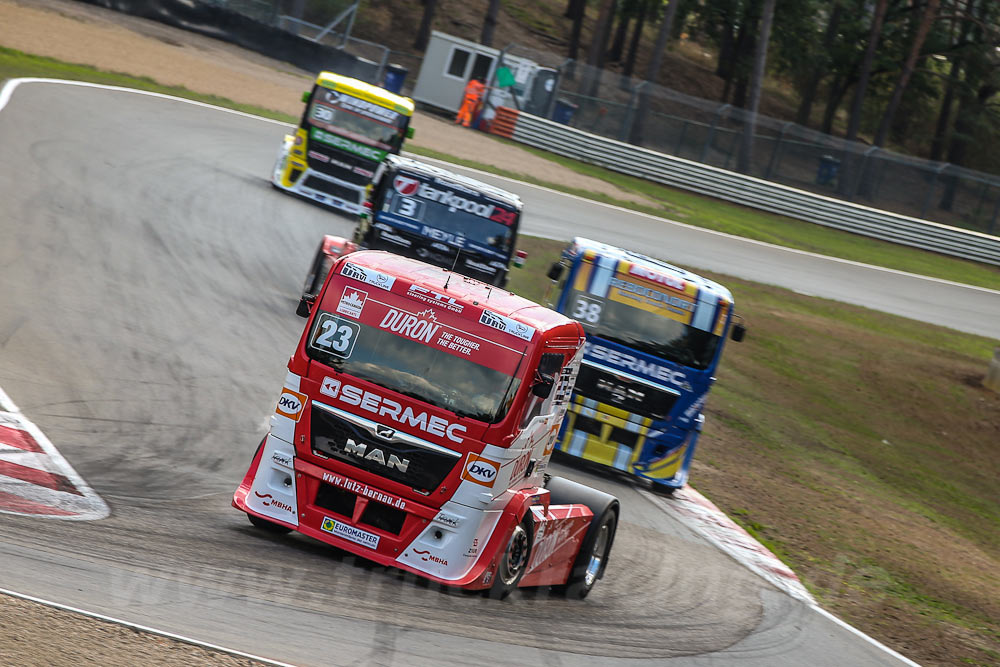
x=347, y=130
x=452, y=221
x=415, y=428
x=655, y=336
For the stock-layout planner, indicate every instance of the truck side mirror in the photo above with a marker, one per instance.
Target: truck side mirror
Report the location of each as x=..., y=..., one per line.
x=555, y=271
x=305, y=306
x=305, y=97
x=738, y=333
x=409, y=133
x=543, y=387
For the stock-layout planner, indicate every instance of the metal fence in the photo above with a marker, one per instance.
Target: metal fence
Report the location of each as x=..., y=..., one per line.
x=665, y=120
x=746, y=190
x=327, y=22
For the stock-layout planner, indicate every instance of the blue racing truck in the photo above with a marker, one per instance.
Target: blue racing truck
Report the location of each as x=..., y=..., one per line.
x=442, y=218
x=655, y=335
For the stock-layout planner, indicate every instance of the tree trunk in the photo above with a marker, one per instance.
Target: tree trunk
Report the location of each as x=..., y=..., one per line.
x=804, y=111
x=602, y=29
x=756, y=84
x=633, y=47
x=926, y=19
x=736, y=72
x=847, y=178
x=854, y=123
x=591, y=80
x=424, y=31
x=618, y=44
x=652, y=72
x=965, y=124
x=838, y=88
x=578, y=10
x=489, y=23
x=948, y=100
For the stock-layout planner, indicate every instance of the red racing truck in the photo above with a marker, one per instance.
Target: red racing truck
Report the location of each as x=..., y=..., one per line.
x=415, y=426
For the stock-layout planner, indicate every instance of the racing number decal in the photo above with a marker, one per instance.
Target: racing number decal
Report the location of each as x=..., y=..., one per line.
x=586, y=310
x=408, y=207
x=335, y=336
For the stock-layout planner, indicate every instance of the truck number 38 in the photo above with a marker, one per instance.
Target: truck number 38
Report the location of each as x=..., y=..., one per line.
x=585, y=310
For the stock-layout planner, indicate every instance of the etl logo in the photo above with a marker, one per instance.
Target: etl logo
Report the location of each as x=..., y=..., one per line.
x=481, y=471
x=405, y=185
x=290, y=404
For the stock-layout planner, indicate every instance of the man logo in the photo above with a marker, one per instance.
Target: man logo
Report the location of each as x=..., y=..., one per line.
x=384, y=432
x=405, y=185
x=480, y=471
x=290, y=404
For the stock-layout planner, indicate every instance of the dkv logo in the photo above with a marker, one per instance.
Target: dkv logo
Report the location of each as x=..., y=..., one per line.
x=480, y=471
x=290, y=404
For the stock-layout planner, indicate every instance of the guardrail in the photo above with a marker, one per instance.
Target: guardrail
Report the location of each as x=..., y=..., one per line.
x=746, y=190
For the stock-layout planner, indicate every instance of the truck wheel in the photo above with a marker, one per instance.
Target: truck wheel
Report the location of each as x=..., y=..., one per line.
x=513, y=562
x=268, y=526
x=592, y=559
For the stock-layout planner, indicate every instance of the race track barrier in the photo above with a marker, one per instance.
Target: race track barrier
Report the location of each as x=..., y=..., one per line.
x=746, y=190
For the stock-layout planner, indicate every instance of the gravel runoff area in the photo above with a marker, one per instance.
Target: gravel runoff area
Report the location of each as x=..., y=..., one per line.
x=34, y=634
x=81, y=33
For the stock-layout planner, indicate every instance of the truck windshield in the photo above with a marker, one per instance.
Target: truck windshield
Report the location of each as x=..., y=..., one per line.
x=356, y=119
x=459, y=217
x=642, y=330
x=424, y=371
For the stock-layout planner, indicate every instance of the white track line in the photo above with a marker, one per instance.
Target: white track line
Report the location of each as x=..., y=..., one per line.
x=8, y=90
x=143, y=628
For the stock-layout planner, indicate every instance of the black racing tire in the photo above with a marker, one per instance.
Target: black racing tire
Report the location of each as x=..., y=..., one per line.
x=268, y=526
x=592, y=559
x=662, y=490
x=513, y=561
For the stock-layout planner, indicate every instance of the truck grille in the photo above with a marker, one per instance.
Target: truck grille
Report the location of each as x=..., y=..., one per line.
x=376, y=515
x=333, y=189
x=418, y=467
x=341, y=166
x=635, y=397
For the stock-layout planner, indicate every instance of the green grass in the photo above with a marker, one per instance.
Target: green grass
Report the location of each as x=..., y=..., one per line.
x=17, y=64
x=859, y=448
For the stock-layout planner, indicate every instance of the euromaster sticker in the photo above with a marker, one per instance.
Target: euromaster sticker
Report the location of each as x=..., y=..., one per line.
x=356, y=535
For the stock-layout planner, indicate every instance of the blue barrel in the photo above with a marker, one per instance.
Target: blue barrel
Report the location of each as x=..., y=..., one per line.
x=563, y=112
x=395, y=75
x=827, y=170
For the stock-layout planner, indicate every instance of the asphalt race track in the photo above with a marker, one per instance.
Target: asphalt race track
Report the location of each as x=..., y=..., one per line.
x=148, y=278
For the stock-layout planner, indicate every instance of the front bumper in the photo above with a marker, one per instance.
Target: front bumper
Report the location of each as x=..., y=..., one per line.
x=451, y=545
x=293, y=175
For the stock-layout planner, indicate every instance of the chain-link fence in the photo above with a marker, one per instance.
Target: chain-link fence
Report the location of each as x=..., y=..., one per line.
x=656, y=117
x=328, y=22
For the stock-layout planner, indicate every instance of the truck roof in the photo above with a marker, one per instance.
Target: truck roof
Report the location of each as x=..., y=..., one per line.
x=592, y=249
x=425, y=169
x=366, y=91
x=467, y=291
